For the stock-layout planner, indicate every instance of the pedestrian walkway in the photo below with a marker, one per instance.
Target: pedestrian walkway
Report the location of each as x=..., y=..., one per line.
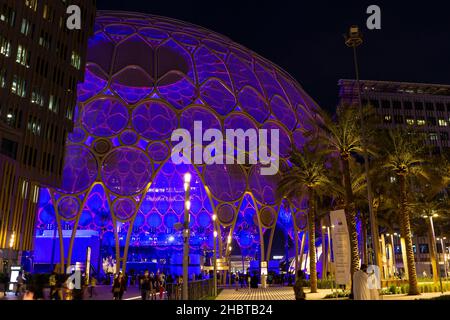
x=287, y=293
x=270, y=293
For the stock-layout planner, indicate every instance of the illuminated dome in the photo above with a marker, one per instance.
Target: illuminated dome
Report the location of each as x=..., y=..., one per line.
x=145, y=77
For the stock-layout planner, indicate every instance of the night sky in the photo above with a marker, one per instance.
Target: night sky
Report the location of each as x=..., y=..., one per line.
x=306, y=38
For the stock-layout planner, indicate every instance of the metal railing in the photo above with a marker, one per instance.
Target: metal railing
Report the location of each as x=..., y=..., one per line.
x=197, y=290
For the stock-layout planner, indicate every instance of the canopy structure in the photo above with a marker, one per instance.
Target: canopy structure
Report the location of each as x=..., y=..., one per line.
x=145, y=77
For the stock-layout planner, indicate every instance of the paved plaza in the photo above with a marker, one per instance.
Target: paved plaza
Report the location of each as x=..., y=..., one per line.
x=287, y=293
x=270, y=293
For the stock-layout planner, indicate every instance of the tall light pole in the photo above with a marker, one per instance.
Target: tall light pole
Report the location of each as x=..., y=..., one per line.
x=327, y=227
x=353, y=40
x=215, y=256
x=436, y=272
x=444, y=254
x=186, y=233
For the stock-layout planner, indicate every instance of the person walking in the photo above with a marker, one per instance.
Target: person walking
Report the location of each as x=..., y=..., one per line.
x=169, y=284
x=119, y=287
x=92, y=285
x=236, y=281
x=360, y=284
x=5, y=283
x=52, y=285
x=161, y=285
x=19, y=285
x=298, y=286
x=153, y=286
x=145, y=285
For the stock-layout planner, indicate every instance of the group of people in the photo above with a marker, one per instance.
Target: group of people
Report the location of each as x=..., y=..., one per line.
x=151, y=285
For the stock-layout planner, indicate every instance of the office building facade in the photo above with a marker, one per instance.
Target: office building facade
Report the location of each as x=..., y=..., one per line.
x=41, y=63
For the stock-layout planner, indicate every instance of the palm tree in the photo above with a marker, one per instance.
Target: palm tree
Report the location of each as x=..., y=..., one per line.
x=431, y=200
x=404, y=159
x=306, y=179
x=341, y=137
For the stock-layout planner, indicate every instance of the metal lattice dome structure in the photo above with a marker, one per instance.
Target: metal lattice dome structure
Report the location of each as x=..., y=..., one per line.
x=145, y=77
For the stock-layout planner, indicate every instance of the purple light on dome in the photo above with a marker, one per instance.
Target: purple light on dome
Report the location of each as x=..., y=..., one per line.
x=68, y=207
x=218, y=96
x=158, y=151
x=80, y=169
x=253, y=103
x=284, y=139
x=124, y=208
x=126, y=171
x=145, y=77
x=154, y=120
x=105, y=117
x=263, y=187
x=226, y=181
x=179, y=94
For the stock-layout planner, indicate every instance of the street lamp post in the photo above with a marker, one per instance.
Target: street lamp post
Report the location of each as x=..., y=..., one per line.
x=186, y=233
x=327, y=227
x=433, y=244
x=353, y=40
x=444, y=254
x=215, y=256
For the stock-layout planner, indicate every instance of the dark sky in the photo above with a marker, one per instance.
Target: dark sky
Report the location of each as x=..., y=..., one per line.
x=305, y=38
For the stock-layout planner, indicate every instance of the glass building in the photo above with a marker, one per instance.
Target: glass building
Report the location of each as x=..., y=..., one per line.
x=41, y=62
x=145, y=77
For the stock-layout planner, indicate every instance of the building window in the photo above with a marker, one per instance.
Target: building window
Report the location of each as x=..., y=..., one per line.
x=440, y=106
x=53, y=104
x=23, y=56
x=431, y=121
x=19, y=86
x=407, y=105
x=34, y=125
x=423, y=248
x=429, y=106
x=45, y=12
x=25, y=28
x=76, y=60
x=443, y=123
x=398, y=119
x=418, y=105
x=420, y=121
x=5, y=47
x=32, y=4
x=3, y=78
x=374, y=103
x=37, y=97
x=396, y=104
x=433, y=136
x=385, y=104
x=387, y=118
x=8, y=15
x=9, y=148
x=410, y=121
x=45, y=39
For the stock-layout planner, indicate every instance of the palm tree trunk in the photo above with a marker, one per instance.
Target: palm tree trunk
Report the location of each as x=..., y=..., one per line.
x=405, y=226
x=312, y=240
x=364, y=239
x=351, y=216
